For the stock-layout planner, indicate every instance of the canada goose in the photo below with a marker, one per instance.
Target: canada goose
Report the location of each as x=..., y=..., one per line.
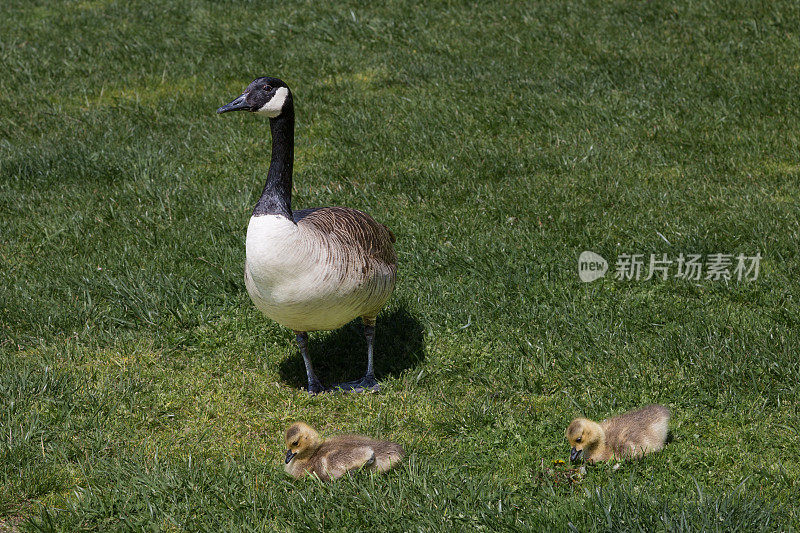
x=308, y=453
x=628, y=436
x=313, y=269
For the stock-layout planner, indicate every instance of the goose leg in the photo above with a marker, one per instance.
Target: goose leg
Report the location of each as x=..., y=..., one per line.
x=314, y=386
x=369, y=377
x=368, y=382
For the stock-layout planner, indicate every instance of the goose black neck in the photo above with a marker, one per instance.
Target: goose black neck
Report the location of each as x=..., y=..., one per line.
x=276, y=198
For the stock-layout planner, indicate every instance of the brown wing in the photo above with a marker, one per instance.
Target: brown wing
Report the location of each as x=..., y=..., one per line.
x=341, y=456
x=382, y=456
x=353, y=229
x=633, y=426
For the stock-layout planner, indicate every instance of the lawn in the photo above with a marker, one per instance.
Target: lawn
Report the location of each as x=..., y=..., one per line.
x=140, y=389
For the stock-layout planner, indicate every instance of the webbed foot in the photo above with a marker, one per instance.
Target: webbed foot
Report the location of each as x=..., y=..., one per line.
x=365, y=384
x=315, y=388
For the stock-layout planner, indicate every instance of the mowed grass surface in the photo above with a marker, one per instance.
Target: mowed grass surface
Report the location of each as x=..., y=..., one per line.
x=140, y=388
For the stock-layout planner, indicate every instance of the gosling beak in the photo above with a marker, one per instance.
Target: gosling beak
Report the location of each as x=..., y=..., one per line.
x=239, y=103
x=289, y=456
x=575, y=455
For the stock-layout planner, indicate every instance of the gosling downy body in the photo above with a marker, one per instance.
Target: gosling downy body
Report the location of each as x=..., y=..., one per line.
x=312, y=269
x=628, y=436
x=308, y=454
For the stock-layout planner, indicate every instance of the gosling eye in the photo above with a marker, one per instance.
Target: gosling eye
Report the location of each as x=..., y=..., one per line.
x=295, y=443
x=578, y=439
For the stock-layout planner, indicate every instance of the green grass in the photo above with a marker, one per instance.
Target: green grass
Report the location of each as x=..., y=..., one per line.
x=140, y=388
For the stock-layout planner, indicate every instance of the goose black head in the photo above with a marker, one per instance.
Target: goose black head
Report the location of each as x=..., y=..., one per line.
x=265, y=95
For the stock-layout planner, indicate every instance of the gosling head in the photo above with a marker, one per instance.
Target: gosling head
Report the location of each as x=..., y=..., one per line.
x=301, y=441
x=266, y=96
x=583, y=435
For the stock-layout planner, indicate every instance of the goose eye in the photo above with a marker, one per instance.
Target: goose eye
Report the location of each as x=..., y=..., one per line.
x=267, y=88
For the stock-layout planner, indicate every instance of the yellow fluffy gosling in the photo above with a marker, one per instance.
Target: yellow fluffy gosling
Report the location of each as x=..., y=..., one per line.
x=308, y=453
x=628, y=436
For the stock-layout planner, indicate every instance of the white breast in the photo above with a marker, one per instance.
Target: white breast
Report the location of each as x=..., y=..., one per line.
x=293, y=277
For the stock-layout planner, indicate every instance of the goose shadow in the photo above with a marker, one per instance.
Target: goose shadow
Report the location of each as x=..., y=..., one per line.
x=341, y=355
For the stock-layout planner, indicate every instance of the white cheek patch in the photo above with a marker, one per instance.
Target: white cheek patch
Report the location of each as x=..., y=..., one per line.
x=274, y=107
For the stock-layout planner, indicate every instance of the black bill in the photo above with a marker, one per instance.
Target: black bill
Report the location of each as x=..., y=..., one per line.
x=289, y=456
x=575, y=455
x=236, y=105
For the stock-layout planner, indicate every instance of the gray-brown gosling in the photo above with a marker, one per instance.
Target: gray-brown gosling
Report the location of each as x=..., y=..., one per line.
x=628, y=436
x=311, y=269
x=308, y=453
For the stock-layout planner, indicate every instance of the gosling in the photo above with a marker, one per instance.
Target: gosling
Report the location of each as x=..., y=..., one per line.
x=308, y=453
x=630, y=435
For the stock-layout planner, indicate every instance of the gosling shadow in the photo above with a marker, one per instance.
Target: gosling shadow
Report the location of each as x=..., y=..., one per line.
x=341, y=355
